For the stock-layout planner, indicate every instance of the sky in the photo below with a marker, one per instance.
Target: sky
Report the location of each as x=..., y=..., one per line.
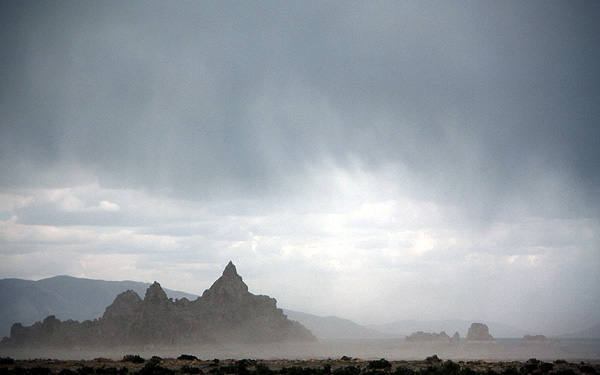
x=378, y=161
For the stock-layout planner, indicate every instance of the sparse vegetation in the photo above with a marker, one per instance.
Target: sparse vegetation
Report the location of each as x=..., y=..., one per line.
x=133, y=358
x=187, y=357
x=186, y=369
x=380, y=364
x=169, y=366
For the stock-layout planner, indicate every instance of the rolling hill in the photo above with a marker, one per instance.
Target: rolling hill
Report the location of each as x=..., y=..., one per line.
x=66, y=297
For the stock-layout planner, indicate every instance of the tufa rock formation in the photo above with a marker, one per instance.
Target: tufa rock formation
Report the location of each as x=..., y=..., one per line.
x=421, y=336
x=426, y=337
x=226, y=312
x=479, y=332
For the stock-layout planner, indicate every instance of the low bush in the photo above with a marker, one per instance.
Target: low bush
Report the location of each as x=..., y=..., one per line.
x=190, y=370
x=379, y=364
x=348, y=370
x=586, y=369
x=187, y=357
x=262, y=369
x=85, y=370
x=133, y=358
x=450, y=367
x=6, y=361
x=401, y=370
x=546, y=367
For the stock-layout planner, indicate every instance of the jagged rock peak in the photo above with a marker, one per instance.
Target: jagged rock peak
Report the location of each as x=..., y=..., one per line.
x=155, y=294
x=229, y=284
x=230, y=270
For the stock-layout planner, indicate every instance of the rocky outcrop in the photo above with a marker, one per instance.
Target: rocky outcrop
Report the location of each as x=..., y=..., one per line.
x=479, y=332
x=426, y=337
x=226, y=312
x=421, y=336
x=534, y=338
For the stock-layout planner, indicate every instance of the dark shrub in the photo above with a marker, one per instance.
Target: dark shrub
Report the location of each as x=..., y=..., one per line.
x=262, y=369
x=379, y=364
x=215, y=370
x=450, y=367
x=348, y=370
x=401, y=370
x=564, y=371
x=530, y=366
x=546, y=367
x=85, y=370
x=510, y=371
x=153, y=368
x=245, y=362
x=106, y=371
x=433, y=358
x=560, y=362
x=430, y=370
x=586, y=369
x=296, y=370
x=67, y=371
x=133, y=358
x=187, y=357
x=6, y=361
x=190, y=370
x=40, y=371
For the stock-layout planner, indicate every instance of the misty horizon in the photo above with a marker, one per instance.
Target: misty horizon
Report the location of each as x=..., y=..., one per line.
x=377, y=162
x=386, y=328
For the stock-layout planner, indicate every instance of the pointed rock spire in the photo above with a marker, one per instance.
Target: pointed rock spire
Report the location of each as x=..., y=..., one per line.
x=229, y=285
x=230, y=270
x=155, y=294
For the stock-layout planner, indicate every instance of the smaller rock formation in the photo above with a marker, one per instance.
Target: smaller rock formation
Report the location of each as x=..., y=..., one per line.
x=534, y=338
x=421, y=336
x=538, y=340
x=479, y=332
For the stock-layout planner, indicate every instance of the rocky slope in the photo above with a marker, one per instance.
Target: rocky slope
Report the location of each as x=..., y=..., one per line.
x=226, y=312
x=65, y=297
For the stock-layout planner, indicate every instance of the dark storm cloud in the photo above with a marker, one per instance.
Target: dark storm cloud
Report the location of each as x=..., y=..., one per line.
x=484, y=104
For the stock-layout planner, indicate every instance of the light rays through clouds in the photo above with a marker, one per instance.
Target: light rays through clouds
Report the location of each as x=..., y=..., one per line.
x=385, y=161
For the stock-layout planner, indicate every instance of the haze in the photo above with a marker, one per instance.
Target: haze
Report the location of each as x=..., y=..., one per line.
x=375, y=161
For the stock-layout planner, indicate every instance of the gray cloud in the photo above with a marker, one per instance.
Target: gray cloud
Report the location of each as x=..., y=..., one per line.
x=479, y=103
x=321, y=141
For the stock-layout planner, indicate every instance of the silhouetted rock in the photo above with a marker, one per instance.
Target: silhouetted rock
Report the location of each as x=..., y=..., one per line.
x=535, y=338
x=226, y=312
x=421, y=336
x=479, y=332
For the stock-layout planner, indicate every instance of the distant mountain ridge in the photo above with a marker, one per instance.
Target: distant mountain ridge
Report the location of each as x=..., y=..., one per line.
x=226, y=312
x=402, y=328
x=333, y=327
x=66, y=297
